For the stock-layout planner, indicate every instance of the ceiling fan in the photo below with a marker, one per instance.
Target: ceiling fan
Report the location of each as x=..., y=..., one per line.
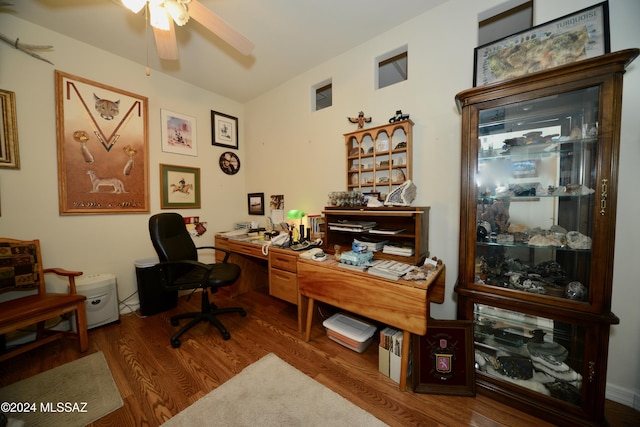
x=162, y=15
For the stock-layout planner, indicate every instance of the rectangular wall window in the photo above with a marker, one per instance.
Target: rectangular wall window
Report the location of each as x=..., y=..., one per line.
x=505, y=19
x=322, y=95
x=392, y=67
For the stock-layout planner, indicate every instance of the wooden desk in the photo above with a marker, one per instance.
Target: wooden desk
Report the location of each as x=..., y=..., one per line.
x=277, y=269
x=253, y=264
x=399, y=303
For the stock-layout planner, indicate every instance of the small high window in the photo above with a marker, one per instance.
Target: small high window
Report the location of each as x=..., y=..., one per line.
x=392, y=67
x=505, y=19
x=322, y=93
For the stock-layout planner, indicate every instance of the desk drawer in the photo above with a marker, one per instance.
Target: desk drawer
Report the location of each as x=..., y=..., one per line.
x=246, y=249
x=283, y=261
x=283, y=285
x=222, y=243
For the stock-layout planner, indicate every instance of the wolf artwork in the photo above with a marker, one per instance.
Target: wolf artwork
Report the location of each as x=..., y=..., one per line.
x=115, y=183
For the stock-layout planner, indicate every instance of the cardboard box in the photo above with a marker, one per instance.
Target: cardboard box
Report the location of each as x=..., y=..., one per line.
x=349, y=332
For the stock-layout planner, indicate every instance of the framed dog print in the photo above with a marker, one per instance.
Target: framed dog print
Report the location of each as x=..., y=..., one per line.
x=103, y=158
x=179, y=187
x=224, y=130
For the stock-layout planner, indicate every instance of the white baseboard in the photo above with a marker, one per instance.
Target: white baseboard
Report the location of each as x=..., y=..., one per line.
x=623, y=396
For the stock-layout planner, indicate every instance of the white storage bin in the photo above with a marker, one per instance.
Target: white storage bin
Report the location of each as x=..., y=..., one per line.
x=349, y=332
x=102, y=299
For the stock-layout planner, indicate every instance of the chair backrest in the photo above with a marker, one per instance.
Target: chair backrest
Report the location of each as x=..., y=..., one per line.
x=172, y=241
x=21, y=266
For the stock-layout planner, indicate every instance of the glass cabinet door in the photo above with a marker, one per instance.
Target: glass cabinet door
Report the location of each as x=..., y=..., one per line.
x=536, y=189
x=543, y=355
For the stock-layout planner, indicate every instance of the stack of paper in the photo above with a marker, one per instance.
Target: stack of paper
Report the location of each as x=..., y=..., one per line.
x=386, y=231
x=353, y=226
x=398, y=250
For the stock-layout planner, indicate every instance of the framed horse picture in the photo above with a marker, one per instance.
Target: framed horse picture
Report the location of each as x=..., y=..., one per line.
x=179, y=187
x=103, y=156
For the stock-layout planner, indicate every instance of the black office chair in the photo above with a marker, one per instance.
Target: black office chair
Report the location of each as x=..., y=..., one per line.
x=180, y=269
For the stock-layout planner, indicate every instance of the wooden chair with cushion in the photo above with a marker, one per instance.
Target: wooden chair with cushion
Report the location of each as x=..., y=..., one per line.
x=22, y=274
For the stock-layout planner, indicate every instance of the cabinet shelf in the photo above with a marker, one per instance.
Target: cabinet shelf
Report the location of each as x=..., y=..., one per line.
x=540, y=248
x=542, y=151
x=536, y=196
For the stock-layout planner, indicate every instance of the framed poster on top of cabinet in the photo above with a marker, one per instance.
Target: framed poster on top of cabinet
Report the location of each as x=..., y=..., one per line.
x=580, y=35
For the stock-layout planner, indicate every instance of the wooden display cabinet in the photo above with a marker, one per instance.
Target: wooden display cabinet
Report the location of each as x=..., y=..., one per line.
x=537, y=228
x=379, y=158
x=413, y=221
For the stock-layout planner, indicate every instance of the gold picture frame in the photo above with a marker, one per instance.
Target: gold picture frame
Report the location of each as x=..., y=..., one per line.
x=103, y=156
x=9, y=153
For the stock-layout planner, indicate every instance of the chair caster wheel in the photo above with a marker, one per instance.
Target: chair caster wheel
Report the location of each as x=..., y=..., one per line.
x=243, y=313
x=174, y=322
x=175, y=343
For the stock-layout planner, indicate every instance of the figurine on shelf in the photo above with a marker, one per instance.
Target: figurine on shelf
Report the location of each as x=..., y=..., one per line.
x=360, y=120
x=399, y=117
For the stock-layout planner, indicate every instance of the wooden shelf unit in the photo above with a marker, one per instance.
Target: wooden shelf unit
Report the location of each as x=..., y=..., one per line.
x=413, y=220
x=379, y=159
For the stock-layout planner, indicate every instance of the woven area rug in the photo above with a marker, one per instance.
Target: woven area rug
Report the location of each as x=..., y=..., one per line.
x=74, y=394
x=270, y=392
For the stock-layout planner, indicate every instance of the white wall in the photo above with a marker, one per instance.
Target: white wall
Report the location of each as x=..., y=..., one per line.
x=286, y=149
x=303, y=152
x=29, y=196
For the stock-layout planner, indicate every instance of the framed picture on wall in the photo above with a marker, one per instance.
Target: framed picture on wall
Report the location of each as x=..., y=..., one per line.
x=255, y=203
x=580, y=35
x=224, y=130
x=178, y=133
x=9, y=154
x=179, y=187
x=103, y=157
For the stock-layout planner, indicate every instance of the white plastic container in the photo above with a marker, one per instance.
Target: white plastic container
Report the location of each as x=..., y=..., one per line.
x=349, y=332
x=102, y=299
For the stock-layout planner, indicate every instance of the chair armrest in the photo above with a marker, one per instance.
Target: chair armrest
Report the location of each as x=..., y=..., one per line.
x=69, y=274
x=186, y=261
x=227, y=252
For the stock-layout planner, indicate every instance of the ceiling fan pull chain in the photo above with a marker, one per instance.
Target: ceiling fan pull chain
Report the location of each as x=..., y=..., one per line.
x=146, y=37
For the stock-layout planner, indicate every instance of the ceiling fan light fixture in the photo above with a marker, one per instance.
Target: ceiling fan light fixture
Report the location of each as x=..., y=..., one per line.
x=178, y=11
x=134, y=5
x=158, y=17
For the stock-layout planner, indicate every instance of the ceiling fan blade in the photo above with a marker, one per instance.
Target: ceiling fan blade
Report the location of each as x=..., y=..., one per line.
x=219, y=27
x=166, y=43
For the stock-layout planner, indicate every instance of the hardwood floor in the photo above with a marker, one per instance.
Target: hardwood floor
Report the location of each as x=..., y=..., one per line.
x=157, y=381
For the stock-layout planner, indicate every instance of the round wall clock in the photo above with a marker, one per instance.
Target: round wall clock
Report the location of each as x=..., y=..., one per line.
x=229, y=163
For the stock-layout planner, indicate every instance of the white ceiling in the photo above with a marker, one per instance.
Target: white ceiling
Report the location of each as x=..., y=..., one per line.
x=291, y=36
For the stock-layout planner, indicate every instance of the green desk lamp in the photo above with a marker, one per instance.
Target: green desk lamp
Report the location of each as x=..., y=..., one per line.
x=297, y=214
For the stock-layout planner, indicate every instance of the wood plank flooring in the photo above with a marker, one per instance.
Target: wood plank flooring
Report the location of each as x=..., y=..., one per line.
x=156, y=381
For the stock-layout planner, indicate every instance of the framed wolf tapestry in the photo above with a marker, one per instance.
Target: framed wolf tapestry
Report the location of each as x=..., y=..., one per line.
x=103, y=158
